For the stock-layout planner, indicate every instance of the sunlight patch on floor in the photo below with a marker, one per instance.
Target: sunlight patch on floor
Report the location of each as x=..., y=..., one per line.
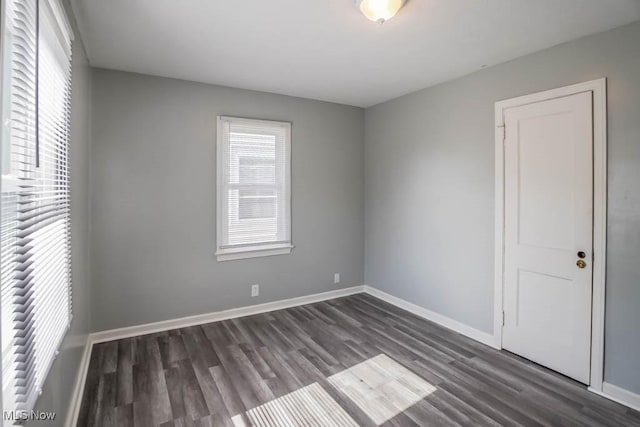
x=310, y=406
x=381, y=387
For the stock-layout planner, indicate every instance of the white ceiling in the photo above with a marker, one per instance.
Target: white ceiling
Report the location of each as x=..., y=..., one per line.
x=325, y=49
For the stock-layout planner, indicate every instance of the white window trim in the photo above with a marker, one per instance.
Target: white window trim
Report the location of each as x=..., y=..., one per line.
x=57, y=9
x=253, y=252
x=259, y=249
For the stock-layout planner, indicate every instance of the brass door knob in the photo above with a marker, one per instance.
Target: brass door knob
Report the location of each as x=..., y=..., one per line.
x=581, y=264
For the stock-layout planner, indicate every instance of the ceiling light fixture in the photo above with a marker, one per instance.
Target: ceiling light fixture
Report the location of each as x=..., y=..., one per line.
x=380, y=10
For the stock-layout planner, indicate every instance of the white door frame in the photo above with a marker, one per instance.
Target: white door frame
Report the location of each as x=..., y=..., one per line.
x=599, y=89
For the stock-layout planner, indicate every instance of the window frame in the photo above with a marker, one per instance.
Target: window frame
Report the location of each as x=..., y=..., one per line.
x=258, y=249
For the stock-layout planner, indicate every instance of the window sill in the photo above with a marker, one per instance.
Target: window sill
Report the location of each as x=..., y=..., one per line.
x=253, y=252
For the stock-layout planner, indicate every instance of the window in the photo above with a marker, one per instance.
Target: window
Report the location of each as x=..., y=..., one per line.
x=254, y=187
x=35, y=243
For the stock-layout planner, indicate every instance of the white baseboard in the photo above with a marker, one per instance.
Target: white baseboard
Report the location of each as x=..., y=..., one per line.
x=454, y=325
x=78, y=389
x=619, y=395
x=200, y=319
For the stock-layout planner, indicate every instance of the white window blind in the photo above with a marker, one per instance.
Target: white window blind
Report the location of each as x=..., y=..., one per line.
x=254, y=186
x=36, y=252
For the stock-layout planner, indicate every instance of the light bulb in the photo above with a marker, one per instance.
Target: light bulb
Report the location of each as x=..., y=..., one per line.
x=380, y=10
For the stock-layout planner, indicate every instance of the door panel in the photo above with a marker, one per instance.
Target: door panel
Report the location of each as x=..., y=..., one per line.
x=548, y=220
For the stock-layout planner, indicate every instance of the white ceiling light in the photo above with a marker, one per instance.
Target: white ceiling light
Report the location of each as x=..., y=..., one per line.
x=380, y=10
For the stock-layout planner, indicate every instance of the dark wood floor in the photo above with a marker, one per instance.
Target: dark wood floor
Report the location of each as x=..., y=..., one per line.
x=206, y=375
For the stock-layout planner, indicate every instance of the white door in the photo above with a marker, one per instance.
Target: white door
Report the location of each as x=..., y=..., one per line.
x=548, y=233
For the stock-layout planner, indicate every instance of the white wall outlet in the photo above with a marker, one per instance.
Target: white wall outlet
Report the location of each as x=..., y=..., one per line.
x=336, y=278
x=255, y=290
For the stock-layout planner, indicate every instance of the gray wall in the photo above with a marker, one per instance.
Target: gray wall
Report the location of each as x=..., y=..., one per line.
x=59, y=385
x=429, y=194
x=153, y=200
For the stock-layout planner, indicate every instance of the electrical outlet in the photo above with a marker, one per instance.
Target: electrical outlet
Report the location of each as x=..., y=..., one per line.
x=336, y=278
x=255, y=290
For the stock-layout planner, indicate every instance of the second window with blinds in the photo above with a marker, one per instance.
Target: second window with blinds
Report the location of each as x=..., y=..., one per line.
x=253, y=189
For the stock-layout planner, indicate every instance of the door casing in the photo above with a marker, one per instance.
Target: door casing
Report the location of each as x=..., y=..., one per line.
x=599, y=89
